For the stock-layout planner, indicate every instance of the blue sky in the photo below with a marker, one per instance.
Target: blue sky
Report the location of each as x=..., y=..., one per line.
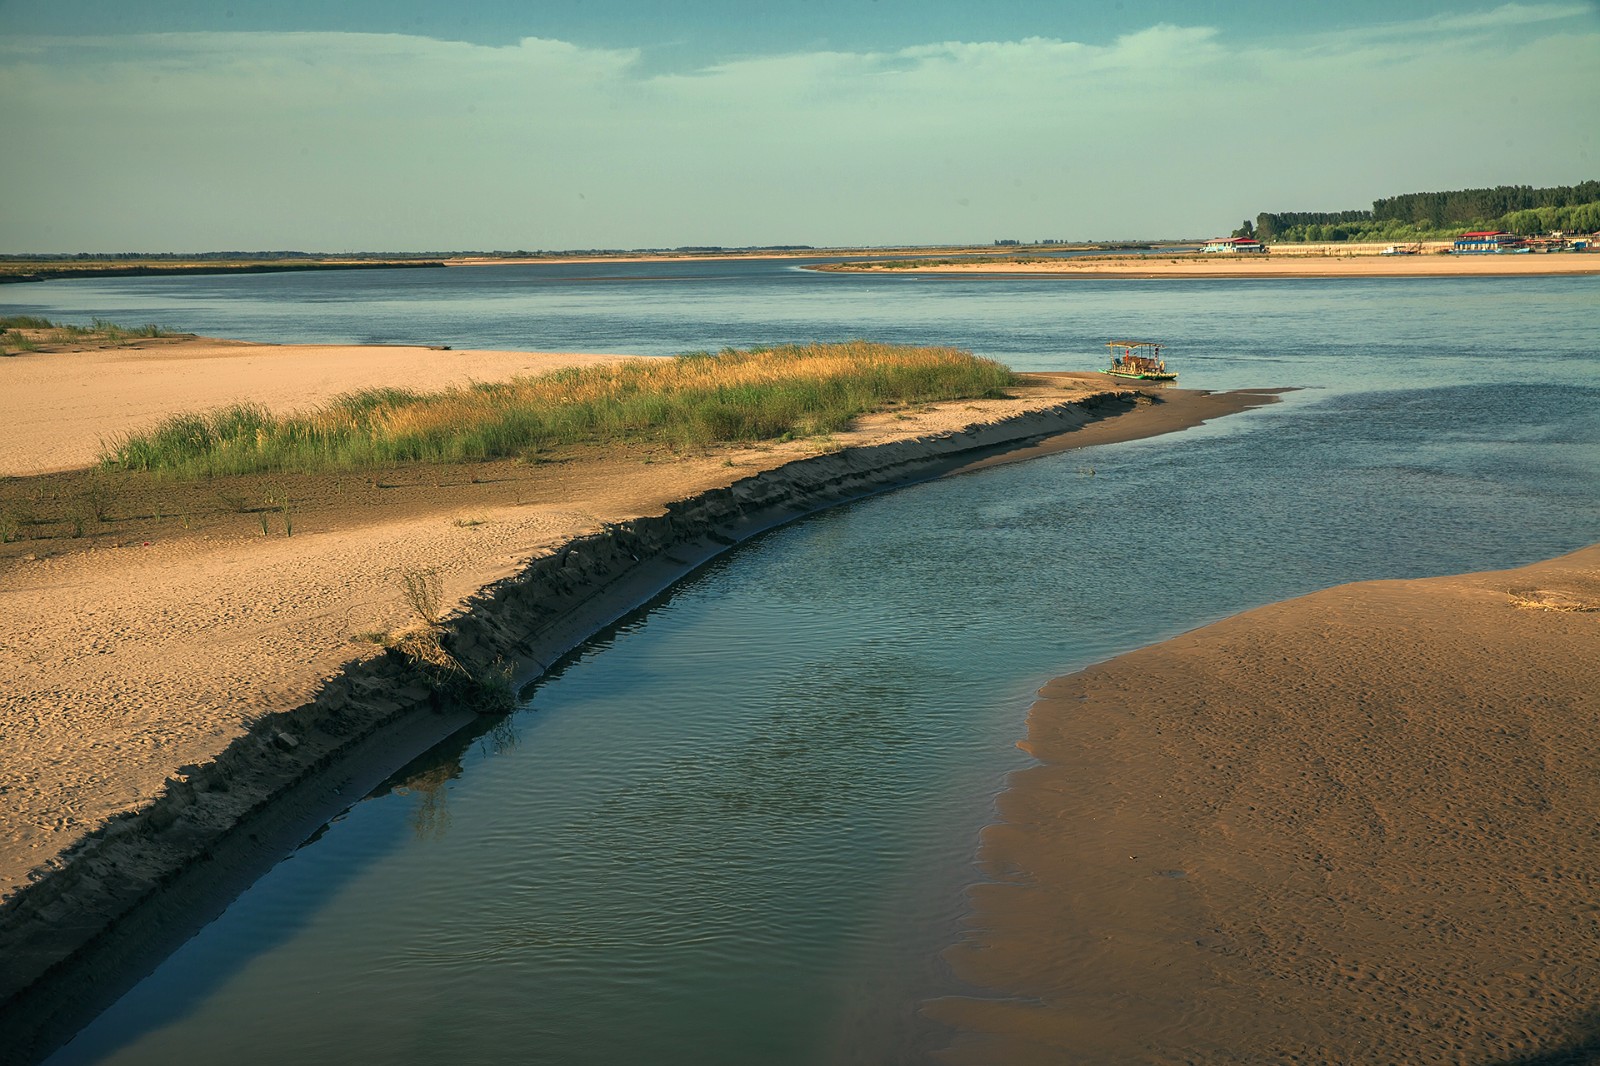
x=419, y=125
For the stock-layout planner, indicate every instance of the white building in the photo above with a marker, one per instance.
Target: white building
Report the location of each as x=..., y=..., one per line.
x=1235, y=246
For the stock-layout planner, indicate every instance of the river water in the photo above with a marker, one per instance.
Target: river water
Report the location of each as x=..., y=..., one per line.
x=736, y=828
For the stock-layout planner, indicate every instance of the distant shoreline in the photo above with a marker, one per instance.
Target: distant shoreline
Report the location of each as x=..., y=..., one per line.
x=1309, y=264
x=50, y=268
x=103, y=269
x=736, y=254
x=1286, y=261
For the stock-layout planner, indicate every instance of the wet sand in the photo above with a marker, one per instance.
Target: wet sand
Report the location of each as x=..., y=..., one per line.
x=1357, y=826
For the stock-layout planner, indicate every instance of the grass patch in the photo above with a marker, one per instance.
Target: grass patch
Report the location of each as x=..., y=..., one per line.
x=28, y=333
x=688, y=402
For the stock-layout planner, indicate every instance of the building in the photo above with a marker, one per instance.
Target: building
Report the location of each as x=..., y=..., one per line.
x=1235, y=246
x=1488, y=240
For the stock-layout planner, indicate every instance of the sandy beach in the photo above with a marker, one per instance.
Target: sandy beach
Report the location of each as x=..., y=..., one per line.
x=1351, y=827
x=154, y=623
x=56, y=411
x=1274, y=265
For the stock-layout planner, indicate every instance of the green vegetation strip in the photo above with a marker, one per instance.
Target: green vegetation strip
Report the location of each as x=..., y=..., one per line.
x=25, y=333
x=686, y=402
x=1416, y=216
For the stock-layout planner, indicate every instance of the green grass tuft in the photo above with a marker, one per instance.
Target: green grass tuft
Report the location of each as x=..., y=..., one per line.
x=689, y=402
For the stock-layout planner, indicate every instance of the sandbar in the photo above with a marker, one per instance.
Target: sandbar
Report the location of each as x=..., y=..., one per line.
x=1273, y=265
x=1356, y=826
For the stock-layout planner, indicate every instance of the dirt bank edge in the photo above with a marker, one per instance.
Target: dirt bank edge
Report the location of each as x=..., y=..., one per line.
x=133, y=890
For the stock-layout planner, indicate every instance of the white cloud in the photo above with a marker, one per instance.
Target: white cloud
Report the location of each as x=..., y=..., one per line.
x=325, y=140
x=1502, y=17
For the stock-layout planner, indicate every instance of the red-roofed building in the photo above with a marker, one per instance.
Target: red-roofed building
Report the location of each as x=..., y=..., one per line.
x=1488, y=240
x=1235, y=246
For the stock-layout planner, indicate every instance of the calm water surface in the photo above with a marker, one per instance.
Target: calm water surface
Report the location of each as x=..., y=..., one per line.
x=736, y=828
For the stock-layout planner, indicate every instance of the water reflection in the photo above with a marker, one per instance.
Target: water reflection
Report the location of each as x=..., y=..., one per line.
x=427, y=779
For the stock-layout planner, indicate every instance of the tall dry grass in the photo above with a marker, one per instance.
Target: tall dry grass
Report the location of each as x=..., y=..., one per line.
x=688, y=402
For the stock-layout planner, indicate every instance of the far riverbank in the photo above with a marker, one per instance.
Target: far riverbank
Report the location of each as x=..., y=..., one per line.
x=52, y=270
x=1307, y=264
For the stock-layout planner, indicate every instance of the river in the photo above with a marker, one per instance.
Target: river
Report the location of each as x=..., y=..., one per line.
x=737, y=827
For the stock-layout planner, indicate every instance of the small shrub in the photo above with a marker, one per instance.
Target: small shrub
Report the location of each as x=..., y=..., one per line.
x=492, y=691
x=98, y=499
x=279, y=501
x=423, y=591
x=489, y=691
x=424, y=647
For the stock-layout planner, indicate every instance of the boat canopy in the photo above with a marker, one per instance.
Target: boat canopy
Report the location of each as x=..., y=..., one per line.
x=1138, y=359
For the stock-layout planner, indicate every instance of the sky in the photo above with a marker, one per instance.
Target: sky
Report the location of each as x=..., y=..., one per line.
x=421, y=125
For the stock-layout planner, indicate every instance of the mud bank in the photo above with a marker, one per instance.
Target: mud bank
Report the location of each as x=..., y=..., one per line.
x=134, y=889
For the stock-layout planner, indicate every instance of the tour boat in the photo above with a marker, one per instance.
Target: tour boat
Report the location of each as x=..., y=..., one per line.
x=1140, y=360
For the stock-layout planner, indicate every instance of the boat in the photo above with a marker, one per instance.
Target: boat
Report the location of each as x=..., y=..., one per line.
x=1139, y=360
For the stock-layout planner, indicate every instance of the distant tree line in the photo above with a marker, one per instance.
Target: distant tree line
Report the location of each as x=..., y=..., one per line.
x=1471, y=205
x=1520, y=209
